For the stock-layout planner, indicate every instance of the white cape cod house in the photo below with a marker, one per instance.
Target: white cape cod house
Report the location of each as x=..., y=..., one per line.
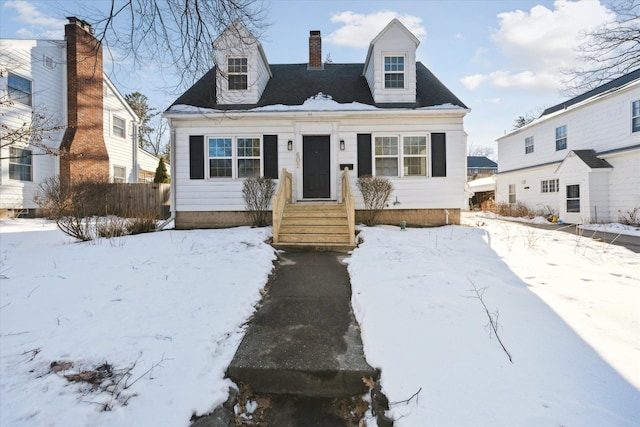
x=579, y=159
x=64, y=80
x=389, y=116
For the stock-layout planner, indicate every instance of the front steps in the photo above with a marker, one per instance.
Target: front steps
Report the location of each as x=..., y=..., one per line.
x=319, y=226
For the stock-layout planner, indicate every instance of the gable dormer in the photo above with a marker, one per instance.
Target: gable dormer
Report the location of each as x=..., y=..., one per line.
x=390, y=67
x=242, y=69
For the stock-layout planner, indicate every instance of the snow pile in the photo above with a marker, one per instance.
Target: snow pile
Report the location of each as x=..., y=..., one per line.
x=171, y=303
x=166, y=308
x=614, y=228
x=565, y=310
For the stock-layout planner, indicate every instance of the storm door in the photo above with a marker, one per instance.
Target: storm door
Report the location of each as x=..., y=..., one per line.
x=316, y=167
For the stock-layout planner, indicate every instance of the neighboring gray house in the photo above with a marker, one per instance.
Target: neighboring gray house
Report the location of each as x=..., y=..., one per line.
x=480, y=167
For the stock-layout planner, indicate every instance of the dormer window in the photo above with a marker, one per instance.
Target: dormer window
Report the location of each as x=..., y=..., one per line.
x=237, y=73
x=394, y=72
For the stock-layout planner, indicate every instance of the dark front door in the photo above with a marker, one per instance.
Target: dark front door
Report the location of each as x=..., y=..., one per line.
x=316, y=160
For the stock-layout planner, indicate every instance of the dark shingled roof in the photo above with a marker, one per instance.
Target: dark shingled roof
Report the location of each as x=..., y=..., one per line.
x=613, y=84
x=480, y=162
x=292, y=84
x=590, y=159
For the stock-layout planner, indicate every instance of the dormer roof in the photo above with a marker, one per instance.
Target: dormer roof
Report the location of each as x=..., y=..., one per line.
x=394, y=23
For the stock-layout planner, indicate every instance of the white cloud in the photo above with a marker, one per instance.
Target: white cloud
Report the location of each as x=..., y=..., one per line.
x=472, y=82
x=358, y=30
x=38, y=24
x=539, y=43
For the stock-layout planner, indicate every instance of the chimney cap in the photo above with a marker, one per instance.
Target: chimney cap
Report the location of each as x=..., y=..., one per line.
x=80, y=22
x=314, y=32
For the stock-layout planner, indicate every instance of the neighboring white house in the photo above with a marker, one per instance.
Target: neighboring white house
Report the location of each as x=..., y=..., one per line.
x=43, y=76
x=389, y=116
x=580, y=158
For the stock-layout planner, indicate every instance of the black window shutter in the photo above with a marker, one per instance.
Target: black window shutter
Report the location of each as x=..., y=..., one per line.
x=364, y=154
x=270, y=159
x=438, y=154
x=196, y=157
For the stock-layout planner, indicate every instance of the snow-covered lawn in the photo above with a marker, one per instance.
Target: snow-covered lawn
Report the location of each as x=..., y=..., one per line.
x=167, y=309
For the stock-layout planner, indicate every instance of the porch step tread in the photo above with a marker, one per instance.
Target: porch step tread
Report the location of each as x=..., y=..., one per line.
x=287, y=228
x=313, y=238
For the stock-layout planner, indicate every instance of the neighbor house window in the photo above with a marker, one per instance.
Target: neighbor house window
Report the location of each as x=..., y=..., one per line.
x=48, y=62
x=414, y=150
x=549, y=186
x=386, y=155
x=528, y=145
x=237, y=73
x=119, y=127
x=248, y=157
x=19, y=89
x=561, y=138
x=635, y=116
x=220, y=157
x=573, y=198
x=145, y=176
x=394, y=72
x=20, y=164
x=512, y=193
x=119, y=174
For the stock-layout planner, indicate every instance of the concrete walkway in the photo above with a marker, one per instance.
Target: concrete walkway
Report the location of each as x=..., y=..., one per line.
x=304, y=339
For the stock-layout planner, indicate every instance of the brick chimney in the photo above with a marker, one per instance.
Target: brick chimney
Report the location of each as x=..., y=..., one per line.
x=315, y=50
x=85, y=153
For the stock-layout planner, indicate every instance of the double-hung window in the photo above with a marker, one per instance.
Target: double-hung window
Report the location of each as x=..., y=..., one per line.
x=561, y=138
x=237, y=73
x=635, y=116
x=394, y=72
x=549, y=186
x=512, y=193
x=119, y=174
x=528, y=145
x=119, y=127
x=573, y=198
x=248, y=157
x=20, y=164
x=19, y=89
x=220, y=157
x=386, y=155
x=414, y=150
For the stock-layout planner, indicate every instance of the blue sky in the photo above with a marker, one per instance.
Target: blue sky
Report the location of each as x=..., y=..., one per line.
x=501, y=58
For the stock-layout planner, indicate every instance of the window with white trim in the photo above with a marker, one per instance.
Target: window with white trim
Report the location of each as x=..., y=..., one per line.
x=386, y=155
x=528, y=145
x=119, y=127
x=20, y=166
x=635, y=116
x=119, y=174
x=248, y=150
x=237, y=73
x=549, y=186
x=414, y=159
x=573, y=198
x=512, y=193
x=19, y=89
x=394, y=72
x=220, y=158
x=561, y=138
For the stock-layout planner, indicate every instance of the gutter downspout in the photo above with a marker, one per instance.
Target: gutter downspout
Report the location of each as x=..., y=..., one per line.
x=172, y=185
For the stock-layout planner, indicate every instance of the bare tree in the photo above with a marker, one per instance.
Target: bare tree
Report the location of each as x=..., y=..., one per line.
x=179, y=35
x=479, y=150
x=608, y=51
x=32, y=131
x=157, y=143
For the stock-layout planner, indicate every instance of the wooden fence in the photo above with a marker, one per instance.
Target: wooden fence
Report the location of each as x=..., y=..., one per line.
x=138, y=198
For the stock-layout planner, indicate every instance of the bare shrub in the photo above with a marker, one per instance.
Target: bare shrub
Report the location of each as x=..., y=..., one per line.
x=143, y=222
x=76, y=227
x=513, y=210
x=548, y=213
x=112, y=226
x=630, y=217
x=376, y=191
x=52, y=199
x=257, y=194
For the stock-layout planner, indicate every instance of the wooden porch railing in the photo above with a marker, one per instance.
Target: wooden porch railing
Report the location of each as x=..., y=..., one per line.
x=279, y=201
x=349, y=204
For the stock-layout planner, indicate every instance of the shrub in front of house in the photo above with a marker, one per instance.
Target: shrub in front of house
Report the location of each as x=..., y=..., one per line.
x=257, y=194
x=376, y=191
